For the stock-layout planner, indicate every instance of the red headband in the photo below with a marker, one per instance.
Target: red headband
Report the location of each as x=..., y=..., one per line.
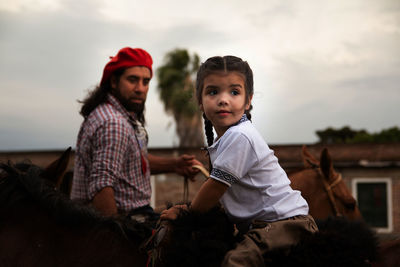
x=127, y=57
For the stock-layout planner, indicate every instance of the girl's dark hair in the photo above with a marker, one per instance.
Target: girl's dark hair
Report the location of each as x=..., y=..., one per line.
x=99, y=96
x=223, y=64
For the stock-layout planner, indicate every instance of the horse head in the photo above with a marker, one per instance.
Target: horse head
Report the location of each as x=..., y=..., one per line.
x=53, y=173
x=324, y=188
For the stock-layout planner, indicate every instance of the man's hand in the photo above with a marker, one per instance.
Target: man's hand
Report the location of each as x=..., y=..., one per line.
x=184, y=166
x=181, y=165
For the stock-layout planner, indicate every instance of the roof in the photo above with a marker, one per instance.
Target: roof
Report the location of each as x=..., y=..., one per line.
x=363, y=155
x=343, y=155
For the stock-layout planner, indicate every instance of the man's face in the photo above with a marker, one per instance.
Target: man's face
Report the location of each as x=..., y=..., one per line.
x=132, y=87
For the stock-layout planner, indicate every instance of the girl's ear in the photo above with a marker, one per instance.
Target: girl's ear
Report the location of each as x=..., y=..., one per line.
x=249, y=102
x=201, y=107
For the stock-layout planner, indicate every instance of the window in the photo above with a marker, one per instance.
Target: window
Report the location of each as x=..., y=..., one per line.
x=374, y=197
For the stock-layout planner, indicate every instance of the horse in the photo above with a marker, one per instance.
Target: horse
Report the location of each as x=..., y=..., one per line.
x=195, y=239
x=39, y=226
x=323, y=188
x=327, y=195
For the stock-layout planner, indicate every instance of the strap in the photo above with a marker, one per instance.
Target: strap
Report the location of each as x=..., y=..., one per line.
x=185, y=190
x=186, y=183
x=328, y=189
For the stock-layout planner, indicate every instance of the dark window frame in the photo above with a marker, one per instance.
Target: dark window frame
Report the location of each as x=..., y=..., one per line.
x=388, y=182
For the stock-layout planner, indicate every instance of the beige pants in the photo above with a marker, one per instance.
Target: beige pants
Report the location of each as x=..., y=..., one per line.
x=265, y=236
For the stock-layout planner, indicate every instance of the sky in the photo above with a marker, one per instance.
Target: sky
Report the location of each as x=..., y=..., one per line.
x=316, y=63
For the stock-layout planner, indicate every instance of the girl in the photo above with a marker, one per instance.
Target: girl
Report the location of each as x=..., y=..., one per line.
x=245, y=176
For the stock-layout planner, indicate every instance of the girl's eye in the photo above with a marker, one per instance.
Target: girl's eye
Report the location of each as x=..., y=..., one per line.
x=234, y=92
x=212, y=92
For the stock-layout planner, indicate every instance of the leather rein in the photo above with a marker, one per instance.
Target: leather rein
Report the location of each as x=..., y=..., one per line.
x=186, y=184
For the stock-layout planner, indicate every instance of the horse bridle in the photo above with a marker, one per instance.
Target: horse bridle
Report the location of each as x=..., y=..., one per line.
x=328, y=187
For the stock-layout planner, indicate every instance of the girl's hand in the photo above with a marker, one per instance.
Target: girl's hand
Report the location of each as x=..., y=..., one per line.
x=173, y=212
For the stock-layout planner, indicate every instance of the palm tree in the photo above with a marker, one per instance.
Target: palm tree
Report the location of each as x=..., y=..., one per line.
x=176, y=87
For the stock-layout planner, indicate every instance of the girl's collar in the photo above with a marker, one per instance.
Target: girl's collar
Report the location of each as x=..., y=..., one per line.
x=242, y=119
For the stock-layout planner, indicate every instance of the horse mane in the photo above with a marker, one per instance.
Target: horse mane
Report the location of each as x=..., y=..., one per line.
x=198, y=239
x=21, y=185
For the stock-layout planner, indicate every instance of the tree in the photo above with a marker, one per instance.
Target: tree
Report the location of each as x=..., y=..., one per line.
x=346, y=135
x=334, y=136
x=177, y=92
x=388, y=135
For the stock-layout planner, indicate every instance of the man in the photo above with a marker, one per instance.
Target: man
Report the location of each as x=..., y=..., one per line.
x=112, y=166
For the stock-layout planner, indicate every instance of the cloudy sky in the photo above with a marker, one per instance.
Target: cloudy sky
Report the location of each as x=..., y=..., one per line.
x=317, y=64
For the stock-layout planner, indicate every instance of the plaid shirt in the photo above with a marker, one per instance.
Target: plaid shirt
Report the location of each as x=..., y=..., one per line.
x=111, y=151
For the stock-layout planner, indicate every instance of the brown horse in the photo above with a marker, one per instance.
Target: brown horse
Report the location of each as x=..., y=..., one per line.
x=39, y=226
x=327, y=195
x=323, y=188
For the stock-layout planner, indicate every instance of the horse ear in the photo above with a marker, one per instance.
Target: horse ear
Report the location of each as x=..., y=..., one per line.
x=309, y=160
x=55, y=171
x=326, y=163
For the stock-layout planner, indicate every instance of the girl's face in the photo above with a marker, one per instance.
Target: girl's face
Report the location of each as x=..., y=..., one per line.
x=223, y=99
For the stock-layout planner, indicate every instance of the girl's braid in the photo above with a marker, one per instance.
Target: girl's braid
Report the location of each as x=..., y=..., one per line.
x=208, y=127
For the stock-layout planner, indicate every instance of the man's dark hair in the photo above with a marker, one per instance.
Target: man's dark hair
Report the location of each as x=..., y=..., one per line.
x=98, y=96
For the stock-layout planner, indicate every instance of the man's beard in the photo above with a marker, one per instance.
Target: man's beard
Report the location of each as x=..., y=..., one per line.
x=133, y=107
x=137, y=108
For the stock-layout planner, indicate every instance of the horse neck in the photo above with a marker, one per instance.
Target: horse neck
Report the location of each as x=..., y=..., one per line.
x=306, y=181
x=310, y=184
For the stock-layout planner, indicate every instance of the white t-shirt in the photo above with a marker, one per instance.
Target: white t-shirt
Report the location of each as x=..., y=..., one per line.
x=259, y=188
